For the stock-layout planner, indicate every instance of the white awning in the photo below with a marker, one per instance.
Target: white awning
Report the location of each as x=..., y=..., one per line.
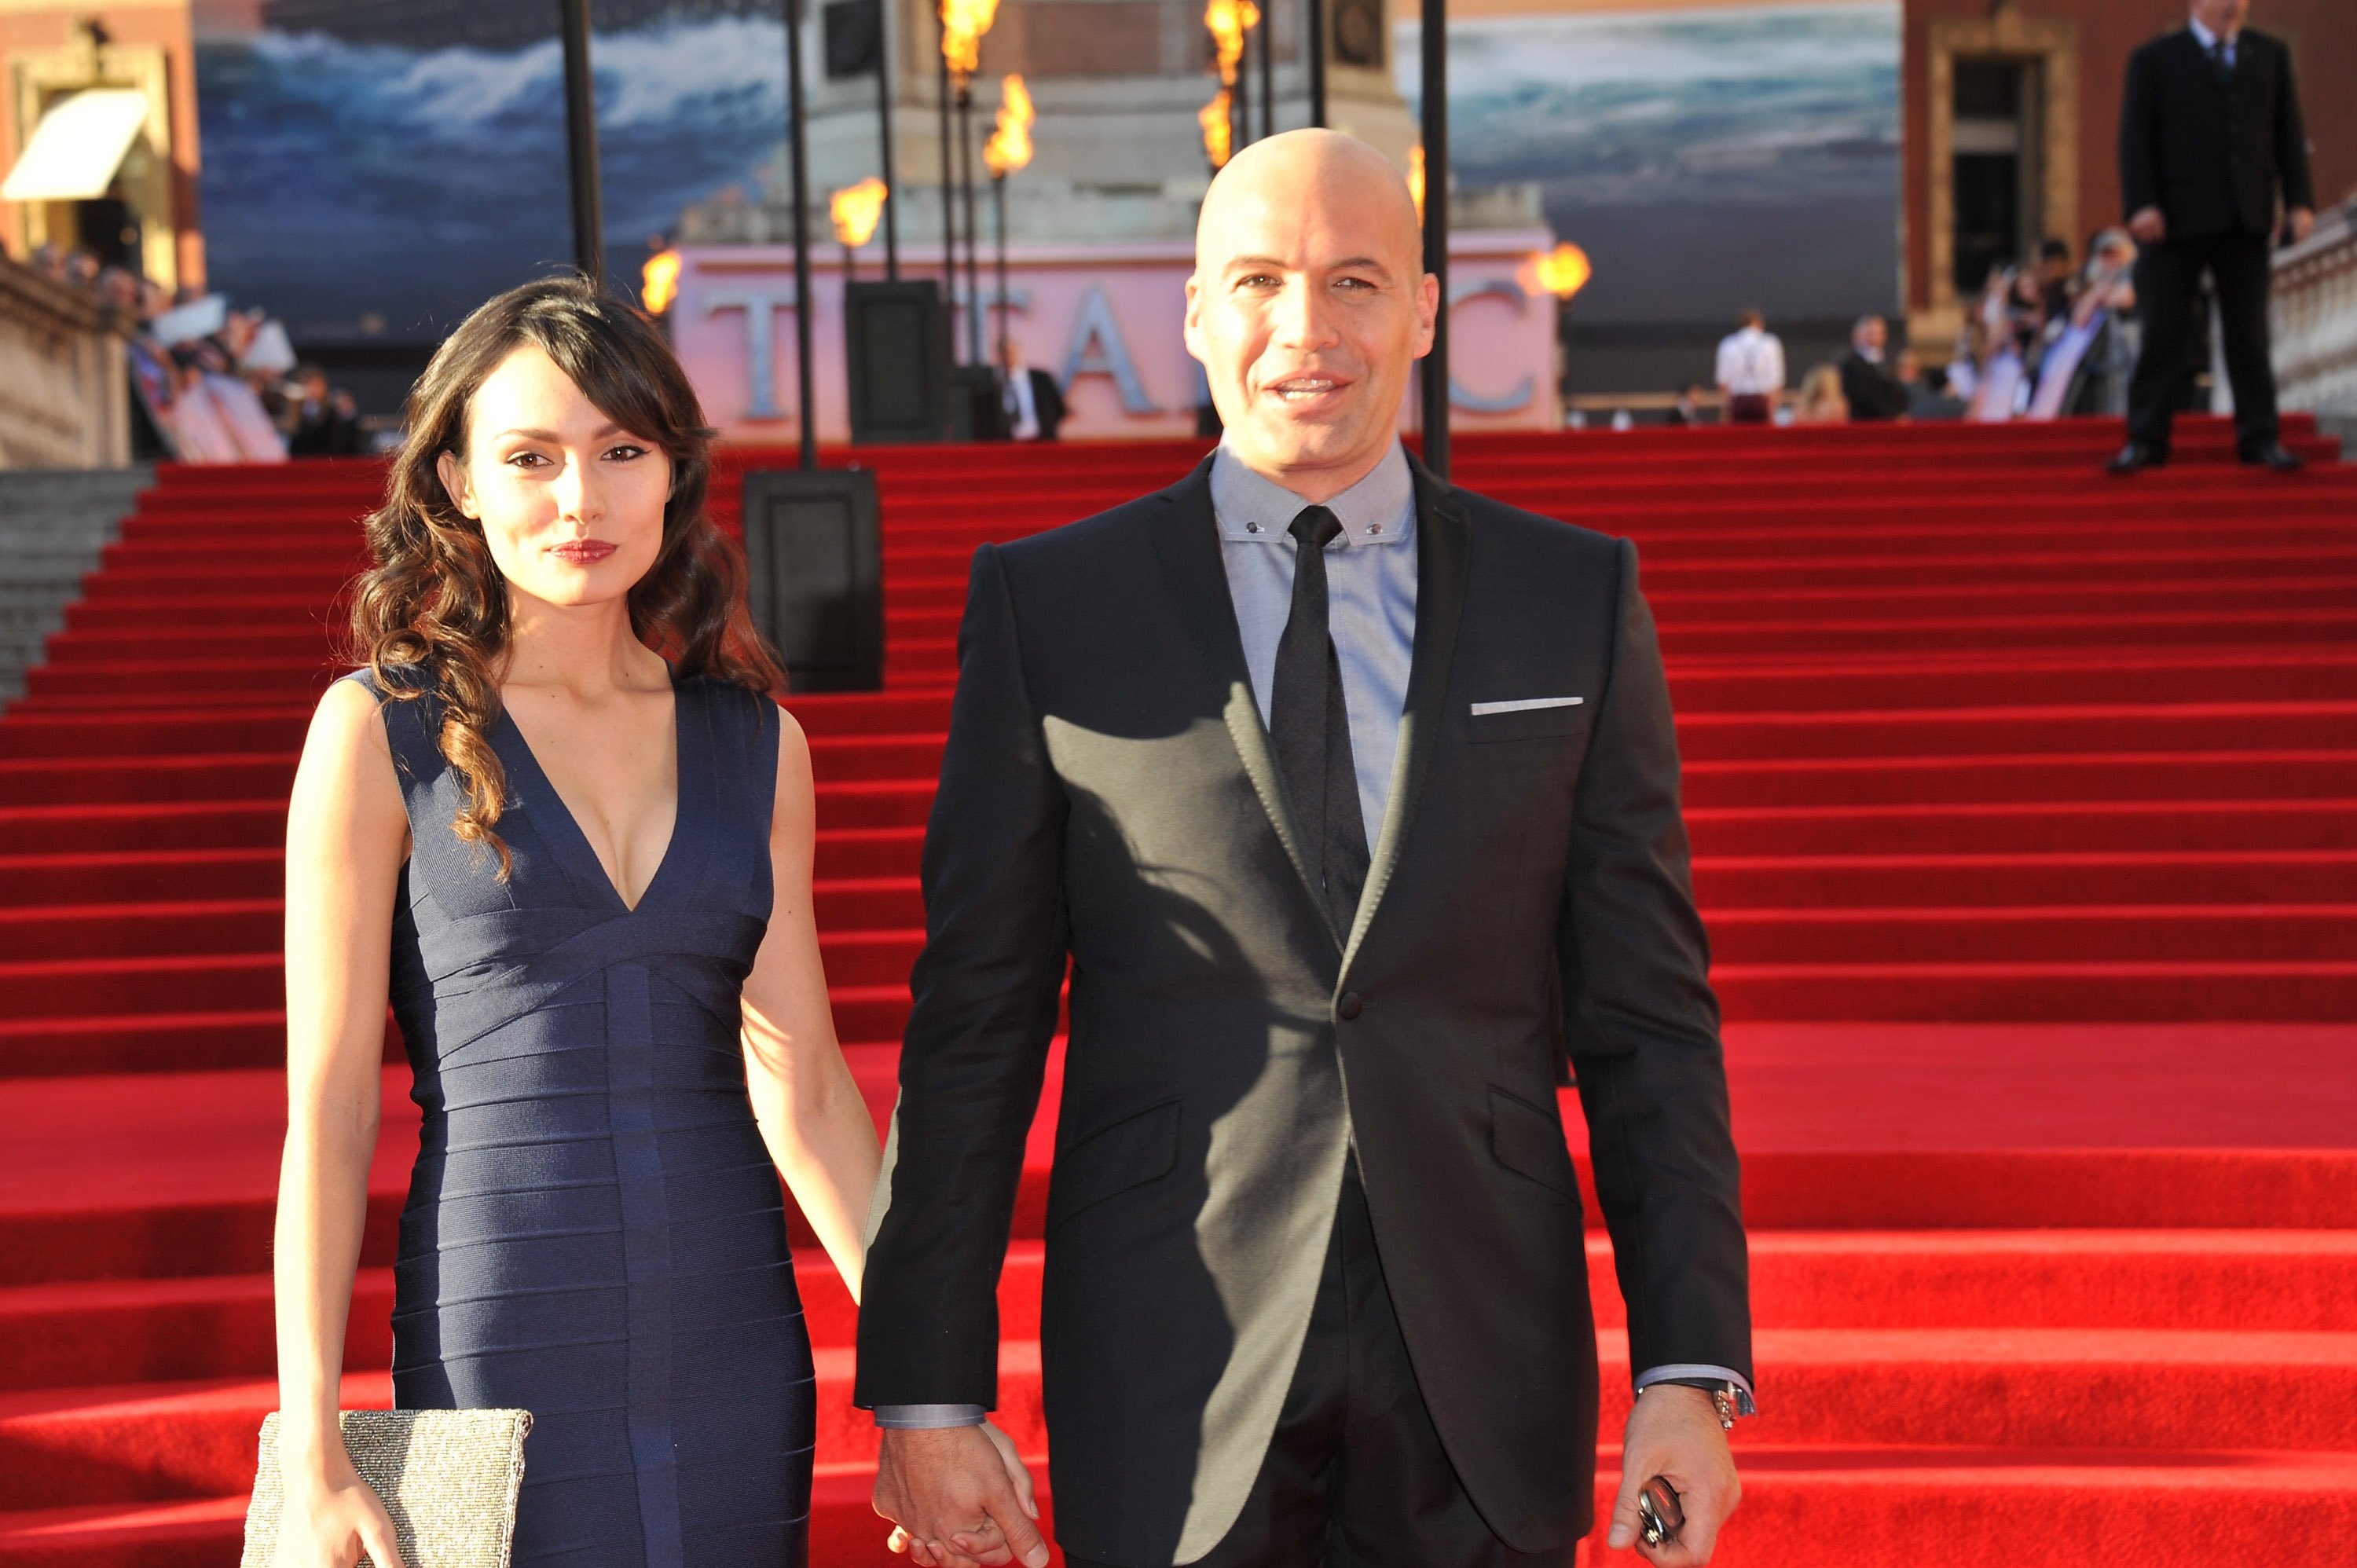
x=77, y=148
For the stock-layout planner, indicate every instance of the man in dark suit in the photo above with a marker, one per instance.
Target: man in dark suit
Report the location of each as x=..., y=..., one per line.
x=1032, y=401
x=1342, y=791
x=1872, y=393
x=2210, y=135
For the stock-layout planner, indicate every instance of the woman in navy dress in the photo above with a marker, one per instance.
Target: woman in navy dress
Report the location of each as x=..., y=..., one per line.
x=556, y=820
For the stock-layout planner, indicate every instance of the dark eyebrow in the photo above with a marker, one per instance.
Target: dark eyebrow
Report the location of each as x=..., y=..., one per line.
x=1360, y=264
x=1347, y=264
x=603, y=431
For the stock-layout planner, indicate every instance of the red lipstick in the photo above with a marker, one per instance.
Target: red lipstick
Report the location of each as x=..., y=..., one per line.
x=583, y=552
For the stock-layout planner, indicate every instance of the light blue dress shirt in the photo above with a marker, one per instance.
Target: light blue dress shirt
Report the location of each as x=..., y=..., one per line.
x=1370, y=615
x=1370, y=599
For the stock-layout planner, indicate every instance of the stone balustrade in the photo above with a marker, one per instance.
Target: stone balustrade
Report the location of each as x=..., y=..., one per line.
x=2315, y=317
x=64, y=397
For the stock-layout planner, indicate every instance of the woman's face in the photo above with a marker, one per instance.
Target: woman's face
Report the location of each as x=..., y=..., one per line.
x=571, y=503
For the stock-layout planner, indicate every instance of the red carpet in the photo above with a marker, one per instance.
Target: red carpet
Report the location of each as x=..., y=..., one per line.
x=2025, y=805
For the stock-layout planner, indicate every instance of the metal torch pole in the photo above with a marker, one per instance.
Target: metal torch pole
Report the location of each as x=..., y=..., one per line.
x=998, y=213
x=1267, y=51
x=949, y=207
x=1315, y=26
x=1436, y=230
x=805, y=395
x=581, y=144
x=973, y=228
x=885, y=34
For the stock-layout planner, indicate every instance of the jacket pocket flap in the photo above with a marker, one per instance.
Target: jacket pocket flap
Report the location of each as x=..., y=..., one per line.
x=1529, y=1141
x=1130, y=1152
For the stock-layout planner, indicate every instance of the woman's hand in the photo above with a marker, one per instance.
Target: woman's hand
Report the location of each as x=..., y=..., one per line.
x=330, y=1520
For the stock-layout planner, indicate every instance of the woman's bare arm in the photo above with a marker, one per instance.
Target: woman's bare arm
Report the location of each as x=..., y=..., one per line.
x=345, y=837
x=811, y=1113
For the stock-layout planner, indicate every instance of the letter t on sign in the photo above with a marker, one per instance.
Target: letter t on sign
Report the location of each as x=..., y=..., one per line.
x=759, y=306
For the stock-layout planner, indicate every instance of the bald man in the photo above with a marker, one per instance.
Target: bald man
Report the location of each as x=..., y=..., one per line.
x=1343, y=793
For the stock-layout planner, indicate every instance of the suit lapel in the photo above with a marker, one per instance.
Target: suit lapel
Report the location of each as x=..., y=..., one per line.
x=1443, y=554
x=1189, y=548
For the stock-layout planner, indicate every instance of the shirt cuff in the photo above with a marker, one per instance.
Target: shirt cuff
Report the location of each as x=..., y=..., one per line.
x=1702, y=1376
x=928, y=1417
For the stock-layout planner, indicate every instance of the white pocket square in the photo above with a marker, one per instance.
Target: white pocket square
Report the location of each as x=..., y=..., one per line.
x=1526, y=704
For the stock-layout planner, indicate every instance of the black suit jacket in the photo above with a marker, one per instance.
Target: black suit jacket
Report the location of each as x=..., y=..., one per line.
x=2212, y=154
x=1109, y=794
x=1870, y=389
x=1046, y=403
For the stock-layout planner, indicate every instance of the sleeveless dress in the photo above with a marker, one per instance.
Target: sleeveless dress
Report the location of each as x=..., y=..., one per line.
x=595, y=1230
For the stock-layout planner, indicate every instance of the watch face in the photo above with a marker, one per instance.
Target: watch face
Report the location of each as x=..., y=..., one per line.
x=1359, y=33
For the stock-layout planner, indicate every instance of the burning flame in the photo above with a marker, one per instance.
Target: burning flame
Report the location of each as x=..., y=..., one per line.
x=855, y=209
x=1229, y=21
x=1010, y=144
x=964, y=21
x=1562, y=272
x=1219, y=132
x=659, y=281
x=1416, y=179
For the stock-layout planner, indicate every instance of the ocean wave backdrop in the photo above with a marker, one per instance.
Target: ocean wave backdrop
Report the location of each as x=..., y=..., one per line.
x=1705, y=159
x=348, y=185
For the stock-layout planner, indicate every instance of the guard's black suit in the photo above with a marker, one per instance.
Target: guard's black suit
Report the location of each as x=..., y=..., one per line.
x=1109, y=792
x=2210, y=151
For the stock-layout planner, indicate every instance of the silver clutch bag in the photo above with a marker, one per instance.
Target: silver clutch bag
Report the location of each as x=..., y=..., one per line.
x=448, y=1478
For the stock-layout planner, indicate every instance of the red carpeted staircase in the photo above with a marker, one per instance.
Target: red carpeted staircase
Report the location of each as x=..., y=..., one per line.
x=2024, y=809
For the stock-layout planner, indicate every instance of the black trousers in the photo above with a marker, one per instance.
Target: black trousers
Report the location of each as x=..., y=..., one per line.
x=2168, y=277
x=1355, y=1475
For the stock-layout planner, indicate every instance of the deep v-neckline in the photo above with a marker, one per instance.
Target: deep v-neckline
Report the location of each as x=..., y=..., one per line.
x=594, y=868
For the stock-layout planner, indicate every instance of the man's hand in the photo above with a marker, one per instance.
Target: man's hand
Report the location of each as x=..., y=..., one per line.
x=2148, y=226
x=959, y=1496
x=2301, y=222
x=1674, y=1433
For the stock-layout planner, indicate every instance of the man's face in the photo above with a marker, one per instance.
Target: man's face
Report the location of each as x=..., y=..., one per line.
x=1872, y=334
x=2224, y=17
x=1308, y=304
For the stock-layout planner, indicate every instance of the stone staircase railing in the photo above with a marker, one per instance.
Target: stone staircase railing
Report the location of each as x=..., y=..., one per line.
x=65, y=402
x=2315, y=321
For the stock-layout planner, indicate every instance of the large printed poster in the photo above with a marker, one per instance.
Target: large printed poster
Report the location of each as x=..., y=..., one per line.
x=1707, y=156
x=374, y=169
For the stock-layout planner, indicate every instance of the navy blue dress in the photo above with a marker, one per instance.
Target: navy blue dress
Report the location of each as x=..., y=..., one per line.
x=595, y=1230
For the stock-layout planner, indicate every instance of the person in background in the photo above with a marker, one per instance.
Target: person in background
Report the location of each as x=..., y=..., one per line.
x=1927, y=396
x=2210, y=136
x=320, y=422
x=2107, y=298
x=2058, y=280
x=1867, y=383
x=1751, y=372
x=1821, y=400
x=1034, y=404
x=1687, y=409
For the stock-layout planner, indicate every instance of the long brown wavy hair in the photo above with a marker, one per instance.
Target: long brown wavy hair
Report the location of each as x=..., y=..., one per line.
x=430, y=616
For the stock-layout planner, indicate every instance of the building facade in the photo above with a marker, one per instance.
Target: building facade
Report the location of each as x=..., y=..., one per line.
x=2012, y=112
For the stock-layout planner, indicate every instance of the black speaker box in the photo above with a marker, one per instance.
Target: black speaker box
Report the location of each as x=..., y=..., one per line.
x=813, y=542
x=898, y=350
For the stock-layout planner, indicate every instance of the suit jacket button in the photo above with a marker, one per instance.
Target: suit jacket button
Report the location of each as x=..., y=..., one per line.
x=1348, y=1005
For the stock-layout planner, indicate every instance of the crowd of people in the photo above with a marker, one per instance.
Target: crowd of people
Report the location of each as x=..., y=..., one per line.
x=2039, y=342
x=210, y=384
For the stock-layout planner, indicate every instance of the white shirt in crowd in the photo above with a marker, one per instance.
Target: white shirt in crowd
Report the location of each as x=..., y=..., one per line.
x=1023, y=412
x=1750, y=362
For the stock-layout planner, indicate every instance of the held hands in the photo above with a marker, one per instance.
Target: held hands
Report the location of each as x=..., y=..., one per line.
x=959, y=1496
x=2148, y=226
x=2301, y=222
x=1674, y=1433
x=331, y=1519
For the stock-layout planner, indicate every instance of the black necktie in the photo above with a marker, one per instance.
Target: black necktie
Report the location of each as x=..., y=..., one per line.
x=1311, y=729
x=2221, y=61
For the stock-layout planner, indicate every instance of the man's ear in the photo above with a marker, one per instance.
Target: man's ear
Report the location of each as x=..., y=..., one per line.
x=1427, y=313
x=453, y=475
x=1194, y=327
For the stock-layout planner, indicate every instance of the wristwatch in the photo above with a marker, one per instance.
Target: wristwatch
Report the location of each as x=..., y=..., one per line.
x=1726, y=1398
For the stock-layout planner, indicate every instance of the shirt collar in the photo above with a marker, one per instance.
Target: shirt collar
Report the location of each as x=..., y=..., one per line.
x=2210, y=41
x=1250, y=507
